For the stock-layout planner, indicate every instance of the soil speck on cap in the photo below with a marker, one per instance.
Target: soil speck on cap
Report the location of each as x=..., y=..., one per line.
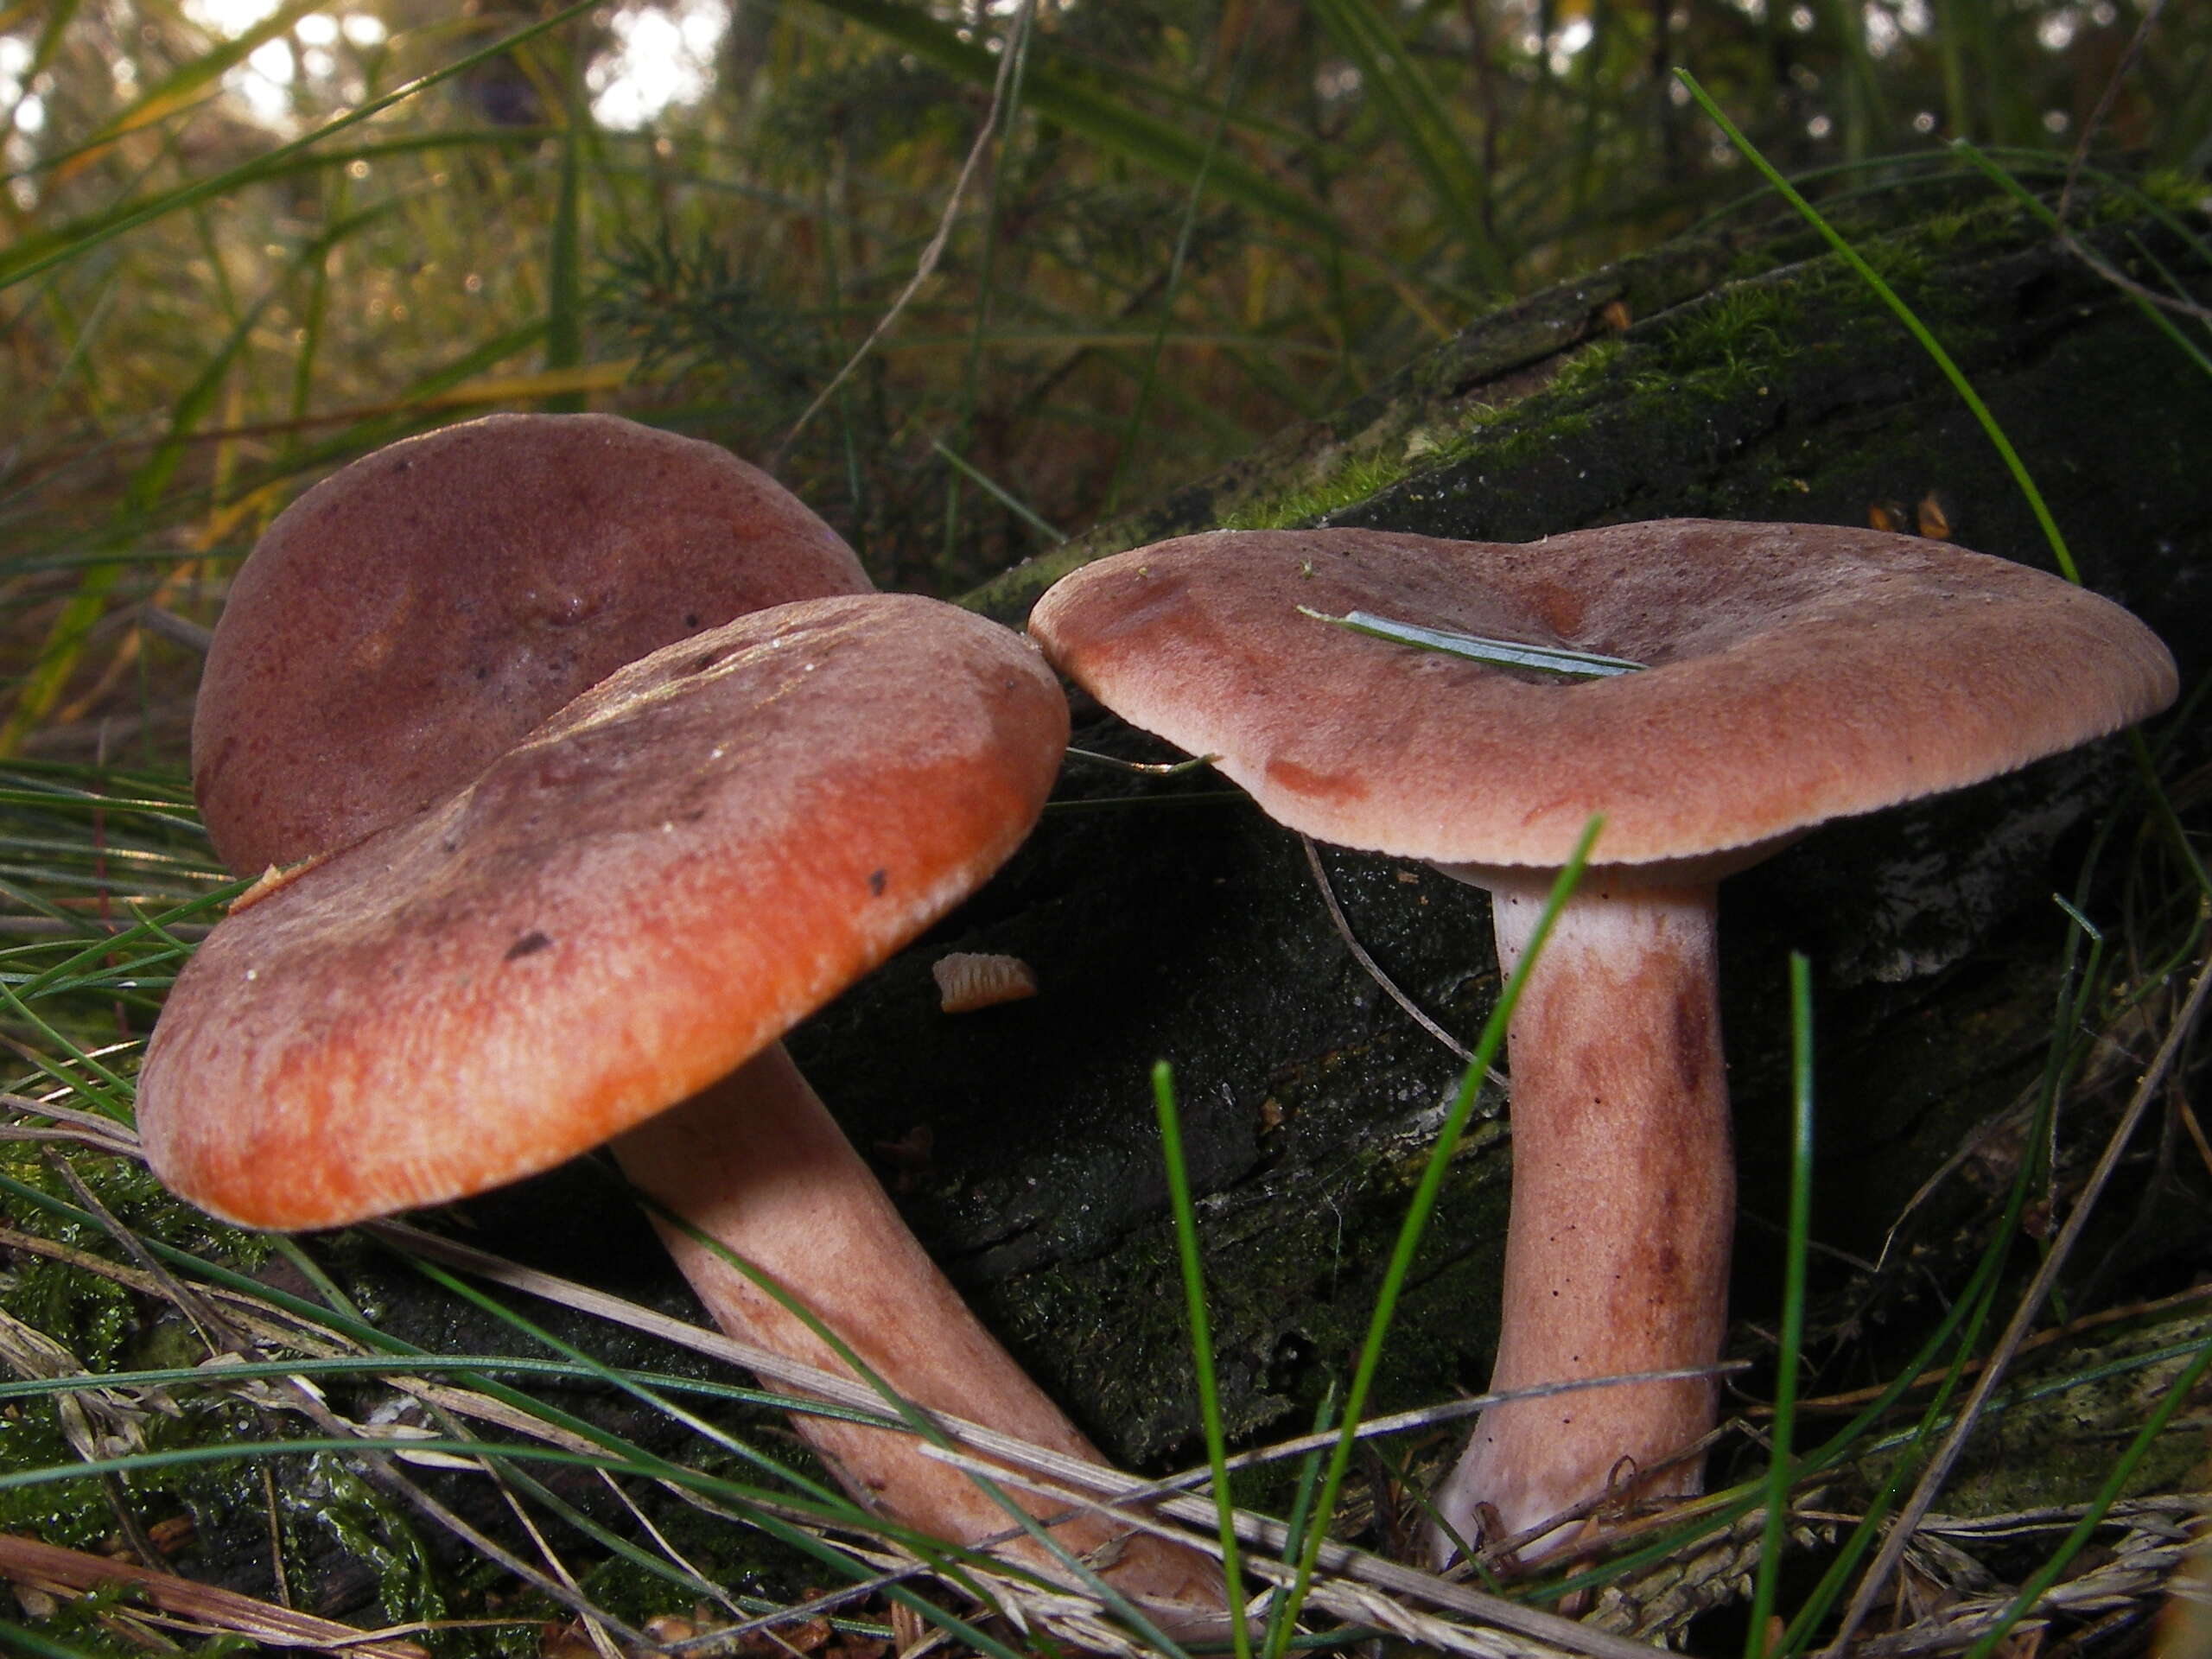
x=529, y=945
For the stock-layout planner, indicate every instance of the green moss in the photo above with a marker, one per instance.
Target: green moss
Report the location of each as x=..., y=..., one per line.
x=1355, y=481
x=1543, y=429
x=92, y=1625
x=1945, y=229
x=1744, y=325
x=2075, y=1432
x=1584, y=368
x=371, y=1530
x=72, y=1514
x=1749, y=263
x=1427, y=449
x=2173, y=188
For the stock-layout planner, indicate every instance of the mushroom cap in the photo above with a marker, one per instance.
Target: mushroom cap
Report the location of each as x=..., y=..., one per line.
x=1795, y=673
x=413, y=614
x=647, y=890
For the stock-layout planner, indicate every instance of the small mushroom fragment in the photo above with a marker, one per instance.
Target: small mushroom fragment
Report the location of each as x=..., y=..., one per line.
x=601, y=937
x=1794, y=674
x=413, y=614
x=969, y=980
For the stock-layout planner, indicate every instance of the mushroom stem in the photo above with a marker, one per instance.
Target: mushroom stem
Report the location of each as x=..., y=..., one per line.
x=1623, y=1203
x=756, y=1162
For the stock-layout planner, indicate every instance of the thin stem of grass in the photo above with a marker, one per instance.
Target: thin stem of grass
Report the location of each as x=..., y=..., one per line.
x=1000, y=493
x=17, y=1638
x=928, y=1549
x=1282, y=1626
x=613, y=1453
x=1904, y=313
x=564, y=285
x=1003, y=117
x=1194, y=1306
x=2031, y=1303
x=141, y=1463
x=1391, y=75
x=311, y=1270
x=374, y=1366
x=1969, y=1312
x=2029, y=202
x=151, y=929
x=1791, y=1346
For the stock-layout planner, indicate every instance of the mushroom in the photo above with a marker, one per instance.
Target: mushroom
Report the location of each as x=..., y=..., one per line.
x=531, y=555
x=1792, y=674
x=414, y=613
x=601, y=938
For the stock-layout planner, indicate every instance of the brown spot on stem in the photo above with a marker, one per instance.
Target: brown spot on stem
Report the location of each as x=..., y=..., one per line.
x=1693, y=1037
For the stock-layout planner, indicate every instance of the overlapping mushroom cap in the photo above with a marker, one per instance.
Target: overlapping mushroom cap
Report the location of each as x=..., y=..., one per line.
x=651, y=887
x=413, y=615
x=1796, y=673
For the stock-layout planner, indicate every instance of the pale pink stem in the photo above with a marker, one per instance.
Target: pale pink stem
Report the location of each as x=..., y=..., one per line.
x=1622, y=1205
x=757, y=1163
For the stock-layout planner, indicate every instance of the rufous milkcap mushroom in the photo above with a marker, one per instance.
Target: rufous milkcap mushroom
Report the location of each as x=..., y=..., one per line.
x=417, y=612
x=602, y=938
x=1791, y=674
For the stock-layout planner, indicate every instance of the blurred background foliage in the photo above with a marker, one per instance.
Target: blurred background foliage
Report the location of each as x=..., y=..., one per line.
x=246, y=241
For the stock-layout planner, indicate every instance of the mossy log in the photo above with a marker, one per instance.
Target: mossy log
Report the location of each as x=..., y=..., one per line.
x=1755, y=378
x=1743, y=374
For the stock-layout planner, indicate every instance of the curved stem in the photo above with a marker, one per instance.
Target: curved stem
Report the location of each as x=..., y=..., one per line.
x=757, y=1163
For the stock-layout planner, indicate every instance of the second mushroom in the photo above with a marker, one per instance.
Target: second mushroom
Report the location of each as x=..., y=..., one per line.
x=1791, y=674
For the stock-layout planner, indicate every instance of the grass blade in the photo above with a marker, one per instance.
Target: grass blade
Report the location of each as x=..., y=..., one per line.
x=1393, y=77
x=1793, y=1305
x=2114, y=1482
x=564, y=333
x=1194, y=1306
x=1918, y=329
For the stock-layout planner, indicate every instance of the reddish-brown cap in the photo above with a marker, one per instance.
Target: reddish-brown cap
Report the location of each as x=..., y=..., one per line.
x=1795, y=673
x=649, y=888
x=410, y=617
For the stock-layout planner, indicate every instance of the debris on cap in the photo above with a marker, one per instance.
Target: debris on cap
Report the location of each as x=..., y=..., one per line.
x=276, y=878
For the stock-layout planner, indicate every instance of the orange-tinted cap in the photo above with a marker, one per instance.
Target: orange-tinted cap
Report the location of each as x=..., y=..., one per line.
x=410, y=617
x=645, y=892
x=1795, y=673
